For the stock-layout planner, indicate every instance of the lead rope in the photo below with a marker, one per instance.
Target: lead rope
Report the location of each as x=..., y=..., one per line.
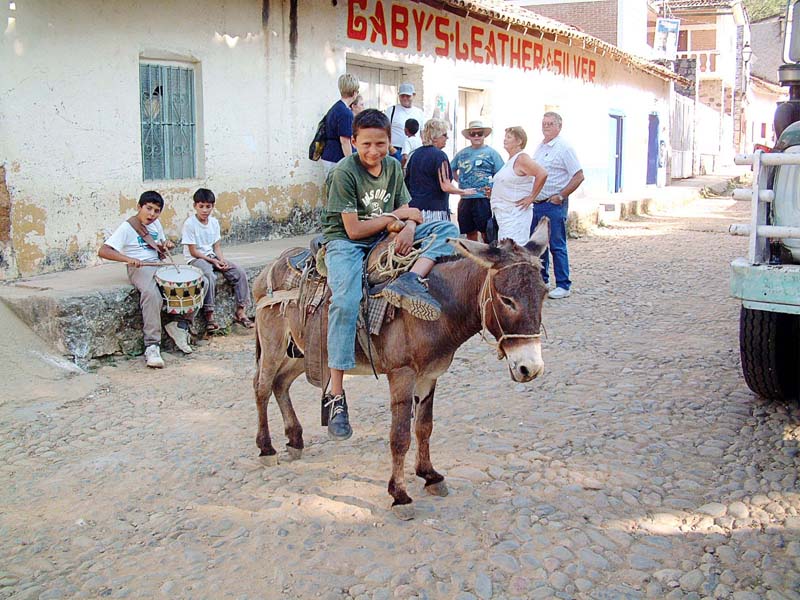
x=485, y=298
x=389, y=264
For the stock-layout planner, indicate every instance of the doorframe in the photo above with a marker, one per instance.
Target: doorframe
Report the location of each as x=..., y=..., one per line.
x=619, y=146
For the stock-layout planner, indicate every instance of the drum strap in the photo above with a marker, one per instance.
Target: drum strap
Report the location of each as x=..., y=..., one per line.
x=139, y=228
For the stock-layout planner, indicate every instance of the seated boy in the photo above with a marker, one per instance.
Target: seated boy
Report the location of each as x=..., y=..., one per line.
x=138, y=241
x=201, y=246
x=366, y=192
x=412, y=140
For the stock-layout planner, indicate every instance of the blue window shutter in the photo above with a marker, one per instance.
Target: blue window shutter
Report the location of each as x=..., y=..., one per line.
x=168, y=122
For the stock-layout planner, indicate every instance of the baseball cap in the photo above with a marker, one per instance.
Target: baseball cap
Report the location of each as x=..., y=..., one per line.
x=406, y=89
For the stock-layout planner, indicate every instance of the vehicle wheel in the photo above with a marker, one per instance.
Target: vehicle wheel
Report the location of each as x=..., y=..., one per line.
x=769, y=344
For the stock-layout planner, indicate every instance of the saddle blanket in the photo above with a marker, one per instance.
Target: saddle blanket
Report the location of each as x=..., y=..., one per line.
x=378, y=310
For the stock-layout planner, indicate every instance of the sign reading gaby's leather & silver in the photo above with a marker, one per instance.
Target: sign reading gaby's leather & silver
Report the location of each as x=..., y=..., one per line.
x=418, y=28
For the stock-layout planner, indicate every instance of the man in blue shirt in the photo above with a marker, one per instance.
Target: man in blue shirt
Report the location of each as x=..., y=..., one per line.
x=474, y=167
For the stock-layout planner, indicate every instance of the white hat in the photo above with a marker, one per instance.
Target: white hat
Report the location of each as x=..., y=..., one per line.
x=476, y=125
x=406, y=89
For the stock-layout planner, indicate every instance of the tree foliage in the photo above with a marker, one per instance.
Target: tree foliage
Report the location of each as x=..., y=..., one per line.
x=760, y=9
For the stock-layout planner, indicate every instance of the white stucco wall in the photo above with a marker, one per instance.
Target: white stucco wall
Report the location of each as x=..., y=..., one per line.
x=70, y=115
x=71, y=133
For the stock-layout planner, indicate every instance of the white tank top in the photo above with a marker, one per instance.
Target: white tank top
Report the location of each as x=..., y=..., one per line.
x=508, y=187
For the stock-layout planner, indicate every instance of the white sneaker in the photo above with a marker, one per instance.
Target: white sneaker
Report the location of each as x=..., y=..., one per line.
x=558, y=292
x=179, y=336
x=152, y=356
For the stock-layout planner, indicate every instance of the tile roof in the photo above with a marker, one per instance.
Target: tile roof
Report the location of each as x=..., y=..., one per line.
x=524, y=20
x=674, y=5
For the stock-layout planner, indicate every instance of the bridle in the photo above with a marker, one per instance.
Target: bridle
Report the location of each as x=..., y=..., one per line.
x=485, y=299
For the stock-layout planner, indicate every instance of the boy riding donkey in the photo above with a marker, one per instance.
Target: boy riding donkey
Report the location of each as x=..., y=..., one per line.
x=365, y=193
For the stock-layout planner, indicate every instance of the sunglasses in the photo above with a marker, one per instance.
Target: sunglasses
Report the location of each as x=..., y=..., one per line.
x=476, y=134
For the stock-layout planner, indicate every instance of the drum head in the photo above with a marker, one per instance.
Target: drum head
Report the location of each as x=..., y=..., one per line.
x=184, y=274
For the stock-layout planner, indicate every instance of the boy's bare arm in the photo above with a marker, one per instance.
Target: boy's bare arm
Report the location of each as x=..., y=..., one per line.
x=196, y=253
x=357, y=230
x=217, y=249
x=109, y=253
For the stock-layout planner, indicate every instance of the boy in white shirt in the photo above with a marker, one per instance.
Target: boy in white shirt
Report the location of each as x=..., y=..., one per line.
x=201, y=241
x=412, y=140
x=138, y=241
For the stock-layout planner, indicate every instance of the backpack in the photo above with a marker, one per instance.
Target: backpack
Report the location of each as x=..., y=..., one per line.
x=320, y=137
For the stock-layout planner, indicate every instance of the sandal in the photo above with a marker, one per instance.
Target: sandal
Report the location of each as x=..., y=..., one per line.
x=244, y=322
x=212, y=327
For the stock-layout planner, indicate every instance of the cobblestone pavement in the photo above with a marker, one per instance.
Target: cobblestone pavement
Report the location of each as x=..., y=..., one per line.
x=638, y=466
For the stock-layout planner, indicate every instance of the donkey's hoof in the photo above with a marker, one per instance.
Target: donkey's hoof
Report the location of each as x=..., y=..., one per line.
x=437, y=489
x=294, y=453
x=404, y=512
x=269, y=460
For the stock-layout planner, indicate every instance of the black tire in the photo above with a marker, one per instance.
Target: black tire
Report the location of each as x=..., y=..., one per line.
x=769, y=344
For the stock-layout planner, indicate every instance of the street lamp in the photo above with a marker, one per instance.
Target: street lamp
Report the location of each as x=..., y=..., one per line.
x=747, y=53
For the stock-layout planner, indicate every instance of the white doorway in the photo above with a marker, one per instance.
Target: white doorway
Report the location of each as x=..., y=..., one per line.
x=378, y=82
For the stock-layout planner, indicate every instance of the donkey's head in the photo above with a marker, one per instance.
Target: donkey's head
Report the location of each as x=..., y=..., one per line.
x=512, y=297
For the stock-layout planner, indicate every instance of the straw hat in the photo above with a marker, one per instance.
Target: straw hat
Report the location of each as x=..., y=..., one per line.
x=473, y=125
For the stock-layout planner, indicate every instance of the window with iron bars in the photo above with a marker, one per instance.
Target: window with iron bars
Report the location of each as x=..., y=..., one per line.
x=167, y=101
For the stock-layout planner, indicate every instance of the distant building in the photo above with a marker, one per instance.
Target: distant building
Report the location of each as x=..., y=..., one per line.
x=766, y=39
x=622, y=23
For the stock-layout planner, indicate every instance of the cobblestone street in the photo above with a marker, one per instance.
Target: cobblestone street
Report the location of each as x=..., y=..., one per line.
x=638, y=466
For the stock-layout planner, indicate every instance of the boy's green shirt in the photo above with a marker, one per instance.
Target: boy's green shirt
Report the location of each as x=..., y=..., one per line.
x=351, y=189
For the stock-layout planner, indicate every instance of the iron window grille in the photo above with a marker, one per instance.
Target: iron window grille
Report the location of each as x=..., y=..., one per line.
x=168, y=122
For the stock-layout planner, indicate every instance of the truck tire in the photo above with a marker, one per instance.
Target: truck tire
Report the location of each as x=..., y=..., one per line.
x=769, y=344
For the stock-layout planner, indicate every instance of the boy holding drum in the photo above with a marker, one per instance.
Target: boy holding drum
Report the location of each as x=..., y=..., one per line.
x=136, y=242
x=201, y=241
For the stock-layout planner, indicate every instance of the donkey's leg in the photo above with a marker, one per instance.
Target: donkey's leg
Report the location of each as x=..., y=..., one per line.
x=289, y=371
x=401, y=385
x=269, y=356
x=434, y=482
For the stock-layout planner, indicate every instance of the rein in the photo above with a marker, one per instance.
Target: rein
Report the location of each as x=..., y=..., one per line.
x=485, y=299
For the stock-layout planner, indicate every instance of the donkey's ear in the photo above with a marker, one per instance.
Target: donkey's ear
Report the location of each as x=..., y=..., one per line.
x=481, y=253
x=540, y=237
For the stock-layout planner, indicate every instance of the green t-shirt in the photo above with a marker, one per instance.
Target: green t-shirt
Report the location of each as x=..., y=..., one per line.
x=351, y=189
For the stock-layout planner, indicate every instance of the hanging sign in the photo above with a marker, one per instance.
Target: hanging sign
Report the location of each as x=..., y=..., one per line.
x=665, y=43
x=400, y=27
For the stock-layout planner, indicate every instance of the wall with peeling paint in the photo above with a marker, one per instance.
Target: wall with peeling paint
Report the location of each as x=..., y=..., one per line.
x=266, y=71
x=71, y=137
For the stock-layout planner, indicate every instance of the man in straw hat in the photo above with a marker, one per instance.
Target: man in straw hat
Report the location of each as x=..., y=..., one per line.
x=474, y=167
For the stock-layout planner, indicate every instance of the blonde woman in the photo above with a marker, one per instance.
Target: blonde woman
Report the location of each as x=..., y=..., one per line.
x=428, y=174
x=515, y=187
x=357, y=105
x=339, y=123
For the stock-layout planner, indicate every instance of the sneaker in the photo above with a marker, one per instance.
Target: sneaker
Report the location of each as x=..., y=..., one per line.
x=180, y=336
x=152, y=357
x=409, y=293
x=558, y=292
x=335, y=416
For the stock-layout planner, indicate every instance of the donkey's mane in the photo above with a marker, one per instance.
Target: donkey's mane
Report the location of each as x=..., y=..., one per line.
x=449, y=258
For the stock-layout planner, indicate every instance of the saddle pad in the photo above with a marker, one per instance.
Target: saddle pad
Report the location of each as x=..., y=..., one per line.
x=297, y=262
x=378, y=311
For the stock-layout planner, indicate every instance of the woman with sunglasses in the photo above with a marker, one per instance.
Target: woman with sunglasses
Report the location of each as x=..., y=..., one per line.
x=428, y=174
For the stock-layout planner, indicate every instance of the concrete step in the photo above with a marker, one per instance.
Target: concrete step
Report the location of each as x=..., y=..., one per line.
x=94, y=312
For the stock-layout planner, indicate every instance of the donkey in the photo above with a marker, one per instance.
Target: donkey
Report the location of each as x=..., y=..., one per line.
x=496, y=288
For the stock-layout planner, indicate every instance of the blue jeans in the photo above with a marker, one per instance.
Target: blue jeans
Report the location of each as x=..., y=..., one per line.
x=344, y=259
x=558, y=240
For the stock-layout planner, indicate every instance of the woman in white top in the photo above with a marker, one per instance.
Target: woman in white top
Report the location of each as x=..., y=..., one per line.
x=515, y=187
